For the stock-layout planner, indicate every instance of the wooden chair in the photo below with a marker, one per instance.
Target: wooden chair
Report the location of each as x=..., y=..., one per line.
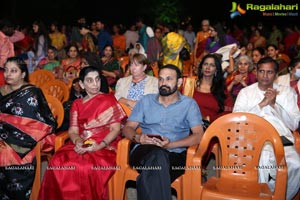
x=56, y=88
x=40, y=77
x=57, y=110
x=126, y=173
x=241, y=138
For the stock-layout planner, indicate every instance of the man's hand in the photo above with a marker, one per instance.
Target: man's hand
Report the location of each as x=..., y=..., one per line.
x=270, y=98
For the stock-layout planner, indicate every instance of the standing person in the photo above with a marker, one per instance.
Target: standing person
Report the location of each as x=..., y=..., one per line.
x=58, y=40
x=190, y=36
x=154, y=50
x=6, y=45
x=278, y=105
x=25, y=119
x=172, y=44
x=200, y=41
x=145, y=32
x=90, y=155
x=104, y=37
x=132, y=88
x=172, y=116
x=41, y=43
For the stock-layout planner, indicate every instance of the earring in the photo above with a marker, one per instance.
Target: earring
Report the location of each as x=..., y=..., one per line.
x=215, y=73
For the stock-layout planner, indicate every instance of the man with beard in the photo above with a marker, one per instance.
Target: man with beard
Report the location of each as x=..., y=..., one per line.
x=170, y=123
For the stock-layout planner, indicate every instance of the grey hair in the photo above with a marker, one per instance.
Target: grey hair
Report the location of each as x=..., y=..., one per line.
x=249, y=60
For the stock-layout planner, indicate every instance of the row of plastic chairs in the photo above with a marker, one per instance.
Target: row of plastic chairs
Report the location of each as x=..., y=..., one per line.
x=46, y=81
x=240, y=137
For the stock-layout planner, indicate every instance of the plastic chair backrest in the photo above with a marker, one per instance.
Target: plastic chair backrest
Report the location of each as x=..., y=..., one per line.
x=241, y=138
x=40, y=77
x=56, y=88
x=56, y=108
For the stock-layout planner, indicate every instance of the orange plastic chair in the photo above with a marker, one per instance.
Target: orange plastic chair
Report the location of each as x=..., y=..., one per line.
x=56, y=88
x=57, y=110
x=241, y=138
x=40, y=77
x=126, y=173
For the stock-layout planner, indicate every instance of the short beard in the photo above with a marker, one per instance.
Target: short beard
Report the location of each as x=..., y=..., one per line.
x=167, y=91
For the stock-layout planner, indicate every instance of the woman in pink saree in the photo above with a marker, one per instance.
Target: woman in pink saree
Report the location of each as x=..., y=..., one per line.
x=82, y=168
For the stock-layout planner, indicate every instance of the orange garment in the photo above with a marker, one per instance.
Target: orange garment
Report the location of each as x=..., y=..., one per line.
x=119, y=43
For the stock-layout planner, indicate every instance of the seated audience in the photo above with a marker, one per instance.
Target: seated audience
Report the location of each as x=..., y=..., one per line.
x=177, y=119
x=25, y=119
x=278, y=105
x=132, y=88
x=89, y=157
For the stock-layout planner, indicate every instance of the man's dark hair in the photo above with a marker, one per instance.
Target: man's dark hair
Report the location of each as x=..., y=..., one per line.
x=268, y=60
x=170, y=66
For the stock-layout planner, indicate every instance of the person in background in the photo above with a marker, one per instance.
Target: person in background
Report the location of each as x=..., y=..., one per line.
x=41, y=44
x=50, y=61
x=89, y=41
x=257, y=54
x=104, y=37
x=58, y=40
x=190, y=36
x=154, y=50
x=177, y=120
x=25, y=119
x=200, y=41
x=132, y=88
x=145, y=32
x=292, y=77
x=6, y=45
x=90, y=155
x=241, y=77
x=111, y=67
x=278, y=105
x=69, y=67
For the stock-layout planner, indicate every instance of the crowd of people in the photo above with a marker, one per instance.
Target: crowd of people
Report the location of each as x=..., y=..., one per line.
x=229, y=69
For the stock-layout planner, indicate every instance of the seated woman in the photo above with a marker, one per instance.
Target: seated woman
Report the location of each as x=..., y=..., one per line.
x=50, y=61
x=111, y=67
x=131, y=88
x=89, y=157
x=70, y=67
x=209, y=89
x=25, y=119
x=241, y=77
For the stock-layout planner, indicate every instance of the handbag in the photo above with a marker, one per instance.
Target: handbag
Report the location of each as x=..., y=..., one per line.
x=184, y=54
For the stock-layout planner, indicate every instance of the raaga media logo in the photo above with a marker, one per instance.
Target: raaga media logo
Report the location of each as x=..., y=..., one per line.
x=236, y=10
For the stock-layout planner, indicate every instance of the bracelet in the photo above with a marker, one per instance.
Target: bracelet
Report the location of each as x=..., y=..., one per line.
x=74, y=141
x=105, y=143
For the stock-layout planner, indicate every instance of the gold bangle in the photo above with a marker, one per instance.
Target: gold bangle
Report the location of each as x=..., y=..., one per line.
x=105, y=143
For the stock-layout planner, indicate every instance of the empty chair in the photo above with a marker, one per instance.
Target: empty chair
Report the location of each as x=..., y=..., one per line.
x=241, y=139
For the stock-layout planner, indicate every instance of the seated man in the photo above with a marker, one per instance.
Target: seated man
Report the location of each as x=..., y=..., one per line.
x=278, y=105
x=171, y=116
